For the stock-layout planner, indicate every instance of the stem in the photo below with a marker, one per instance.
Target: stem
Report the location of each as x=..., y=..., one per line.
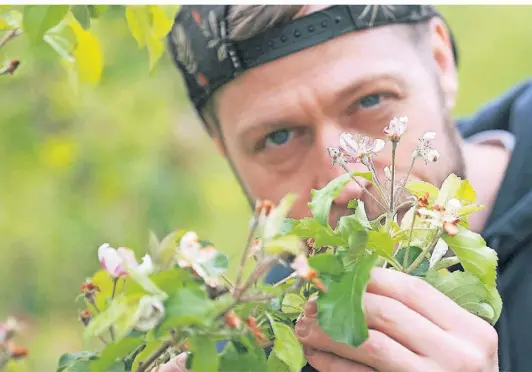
x=407, y=251
x=408, y=175
x=427, y=248
x=363, y=187
x=245, y=254
x=394, y=147
x=380, y=188
x=284, y=280
x=111, y=330
x=10, y=35
x=227, y=281
x=259, y=270
x=143, y=366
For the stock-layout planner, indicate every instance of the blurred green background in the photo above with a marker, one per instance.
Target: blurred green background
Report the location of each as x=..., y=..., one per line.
x=127, y=156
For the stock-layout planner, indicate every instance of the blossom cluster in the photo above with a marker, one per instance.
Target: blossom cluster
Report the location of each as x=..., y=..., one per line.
x=9, y=350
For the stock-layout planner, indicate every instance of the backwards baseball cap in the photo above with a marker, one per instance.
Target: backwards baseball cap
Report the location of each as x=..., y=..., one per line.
x=208, y=58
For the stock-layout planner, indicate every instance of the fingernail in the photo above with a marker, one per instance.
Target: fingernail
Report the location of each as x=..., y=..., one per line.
x=311, y=308
x=301, y=328
x=307, y=350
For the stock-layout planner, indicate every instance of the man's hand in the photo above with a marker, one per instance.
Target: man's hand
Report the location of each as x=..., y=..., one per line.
x=178, y=364
x=412, y=328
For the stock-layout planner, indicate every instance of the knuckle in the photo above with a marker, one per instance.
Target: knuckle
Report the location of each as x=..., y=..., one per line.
x=382, y=312
x=470, y=360
x=374, y=348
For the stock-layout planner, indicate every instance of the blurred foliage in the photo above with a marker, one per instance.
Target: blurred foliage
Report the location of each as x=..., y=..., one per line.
x=84, y=164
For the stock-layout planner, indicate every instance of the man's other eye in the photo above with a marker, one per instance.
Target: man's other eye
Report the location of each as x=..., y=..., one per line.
x=279, y=137
x=371, y=100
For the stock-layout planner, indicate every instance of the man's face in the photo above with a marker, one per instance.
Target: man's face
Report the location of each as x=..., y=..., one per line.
x=279, y=118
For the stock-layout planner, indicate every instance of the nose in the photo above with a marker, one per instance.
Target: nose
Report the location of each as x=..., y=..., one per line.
x=329, y=136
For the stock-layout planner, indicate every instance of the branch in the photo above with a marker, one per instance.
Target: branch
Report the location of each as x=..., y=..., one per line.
x=10, y=35
x=143, y=366
x=10, y=67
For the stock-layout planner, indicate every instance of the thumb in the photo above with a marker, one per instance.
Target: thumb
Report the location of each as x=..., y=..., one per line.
x=177, y=364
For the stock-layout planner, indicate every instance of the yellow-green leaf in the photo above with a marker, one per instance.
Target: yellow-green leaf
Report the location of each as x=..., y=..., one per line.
x=97, y=10
x=138, y=21
x=449, y=189
x=161, y=24
x=155, y=51
x=88, y=55
x=466, y=193
x=10, y=20
x=40, y=18
x=419, y=188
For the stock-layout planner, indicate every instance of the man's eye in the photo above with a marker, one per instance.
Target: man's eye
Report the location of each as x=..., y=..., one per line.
x=370, y=101
x=279, y=137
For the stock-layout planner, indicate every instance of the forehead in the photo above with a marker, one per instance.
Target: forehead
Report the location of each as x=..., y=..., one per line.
x=326, y=68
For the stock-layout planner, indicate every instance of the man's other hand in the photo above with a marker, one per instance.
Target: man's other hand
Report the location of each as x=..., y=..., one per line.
x=412, y=328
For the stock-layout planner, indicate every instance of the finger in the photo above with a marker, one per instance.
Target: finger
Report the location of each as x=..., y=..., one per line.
x=378, y=351
x=177, y=364
x=407, y=327
x=326, y=362
x=421, y=297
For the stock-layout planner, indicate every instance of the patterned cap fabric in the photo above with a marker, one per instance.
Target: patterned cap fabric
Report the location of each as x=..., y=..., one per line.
x=208, y=59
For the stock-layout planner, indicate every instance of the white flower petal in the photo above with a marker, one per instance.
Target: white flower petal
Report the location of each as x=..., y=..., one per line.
x=429, y=136
x=146, y=267
x=439, y=251
x=189, y=239
x=349, y=144
x=149, y=313
x=378, y=145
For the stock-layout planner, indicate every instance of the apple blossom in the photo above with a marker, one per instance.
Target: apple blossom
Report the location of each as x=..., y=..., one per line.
x=360, y=147
x=443, y=217
x=424, y=149
x=339, y=156
x=191, y=254
x=116, y=261
x=396, y=128
x=304, y=271
x=9, y=329
x=149, y=313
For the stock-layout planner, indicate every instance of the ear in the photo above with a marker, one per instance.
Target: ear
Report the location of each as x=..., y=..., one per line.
x=219, y=145
x=442, y=52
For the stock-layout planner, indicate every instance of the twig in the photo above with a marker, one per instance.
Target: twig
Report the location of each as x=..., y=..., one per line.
x=10, y=35
x=380, y=188
x=425, y=250
x=259, y=270
x=245, y=254
x=143, y=366
x=363, y=187
x=111, y=330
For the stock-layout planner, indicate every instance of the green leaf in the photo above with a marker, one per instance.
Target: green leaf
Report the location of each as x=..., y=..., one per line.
x=145, y=353
x=217, y=265
x=121, y=314
x=340, y=310
x=413, y=254
x=382, y=244
x=63, y=40
x=78, y=366
x=324, y=235
x=419, y=188
x=286, y=346
x=292, y=303
x=276, y=365
x=474, y=255
x=243, y=359
x=322, y=199
x=468, y=292
x=97, y=10
x=82, y=15
x=360, y=212
x=448, y=190
x=186, y=307
x=275, y=220
x=37, y=19
x=88, y=55
x=327, y=264
x=70, y=359
x=466, y=193
x=205, y=354
x=352, y=232
x=285, y=243
x=114, y=353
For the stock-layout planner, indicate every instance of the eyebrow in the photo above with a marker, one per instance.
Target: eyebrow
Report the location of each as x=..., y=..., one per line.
x=269, y=124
